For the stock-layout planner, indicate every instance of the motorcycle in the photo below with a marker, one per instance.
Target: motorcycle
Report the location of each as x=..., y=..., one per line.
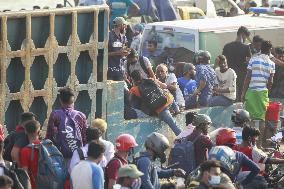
x=275, y=173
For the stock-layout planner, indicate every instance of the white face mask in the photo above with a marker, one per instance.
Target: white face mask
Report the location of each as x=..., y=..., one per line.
x=215, y=180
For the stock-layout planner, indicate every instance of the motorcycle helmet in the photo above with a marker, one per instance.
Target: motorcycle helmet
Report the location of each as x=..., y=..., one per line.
x=201, y=119
x=125, y=142
x=240, y=116
x=227, y=157
x=226, y=136
x=158, y=143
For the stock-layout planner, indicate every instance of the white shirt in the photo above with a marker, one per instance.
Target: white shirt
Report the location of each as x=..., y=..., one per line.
x=227, y=80
x=109, y=153
x=179, y=97
x=87, y=175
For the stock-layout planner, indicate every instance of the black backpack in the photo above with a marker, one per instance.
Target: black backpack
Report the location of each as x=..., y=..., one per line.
x=19, y=176
x=183, y=154
x=142, y=64
x=9, y=143
x=81, y=154
x=152, y=94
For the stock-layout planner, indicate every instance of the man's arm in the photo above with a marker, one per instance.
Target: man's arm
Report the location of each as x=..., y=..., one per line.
x=15, y=154
x=253, y=167
x=246, y=84
x=133, y=9
x=143, y=165
x=270, y=81
x=277, y=61
x=122, y=52
x=172, y=86
x=201, y=86
x=50, y=127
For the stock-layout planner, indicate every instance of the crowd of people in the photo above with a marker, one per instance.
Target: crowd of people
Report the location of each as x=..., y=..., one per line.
x=74, y=155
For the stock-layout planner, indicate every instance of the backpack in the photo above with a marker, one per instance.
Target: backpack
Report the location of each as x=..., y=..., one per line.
x=52, y=171
x=183, y=154
x=19, y=176
x=68, y=137
x=153, y=96
x=105, y=171
x=142, y=64
x=9, y=143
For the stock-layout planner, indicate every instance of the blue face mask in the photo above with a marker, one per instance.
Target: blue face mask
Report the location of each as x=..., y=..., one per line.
x=215, y=180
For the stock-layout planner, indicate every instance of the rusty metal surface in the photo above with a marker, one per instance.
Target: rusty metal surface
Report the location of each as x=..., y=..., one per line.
x=51, y=50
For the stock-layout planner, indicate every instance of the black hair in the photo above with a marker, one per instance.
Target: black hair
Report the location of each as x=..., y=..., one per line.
x=249, y=132
x=189, y=117
x=257, y=39
x=252, y=4
x=207, y=165
x=93, y=133
x=27, y=116
x=153, y=42
x=136, y=76
x=32, y=126
x=243, y=30
x=168, y=186
x=222, y=58
x=266, y=47
x=95, y=149
x=65, y=95
x=6, y=181
x=36, y=7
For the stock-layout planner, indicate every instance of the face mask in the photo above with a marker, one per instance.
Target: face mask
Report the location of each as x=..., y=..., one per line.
x=136, y=184
x=215, y=180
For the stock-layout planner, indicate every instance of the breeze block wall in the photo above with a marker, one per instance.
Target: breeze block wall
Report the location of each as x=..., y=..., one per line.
x=44, y=50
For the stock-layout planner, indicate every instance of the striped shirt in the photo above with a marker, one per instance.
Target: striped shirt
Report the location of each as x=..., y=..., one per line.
x=87, y=175
x=91, y=2
x=262, y=67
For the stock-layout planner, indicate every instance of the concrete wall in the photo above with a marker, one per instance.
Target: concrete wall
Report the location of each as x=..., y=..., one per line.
x=140, y=128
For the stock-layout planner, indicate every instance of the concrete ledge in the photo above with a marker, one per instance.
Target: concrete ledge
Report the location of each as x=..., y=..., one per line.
x=140, y=128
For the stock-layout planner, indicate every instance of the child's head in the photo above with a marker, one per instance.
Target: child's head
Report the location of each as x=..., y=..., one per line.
x=32, y=128
x=6, y=182
x=100, y=124
x=27, y=116
x=189, y=70
x=93, y=133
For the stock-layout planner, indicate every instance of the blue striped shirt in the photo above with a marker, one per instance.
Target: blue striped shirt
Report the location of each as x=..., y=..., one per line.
x=262, y=67
x=91, y=2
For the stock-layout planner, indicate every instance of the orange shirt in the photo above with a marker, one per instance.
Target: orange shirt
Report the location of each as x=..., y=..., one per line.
x=135, y=90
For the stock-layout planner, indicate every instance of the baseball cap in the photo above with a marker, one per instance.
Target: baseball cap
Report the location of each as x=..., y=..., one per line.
x=187, y=67
x=139, y=27
x=119, y=20
x=129, y=170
